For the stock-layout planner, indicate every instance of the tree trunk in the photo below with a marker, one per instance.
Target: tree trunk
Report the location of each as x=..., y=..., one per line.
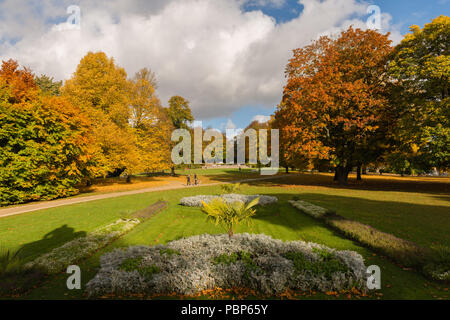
x=341, y=174
x=128, y=178
x=287, y=169
x=173, y=171
x=230, y=233
x=358, y=173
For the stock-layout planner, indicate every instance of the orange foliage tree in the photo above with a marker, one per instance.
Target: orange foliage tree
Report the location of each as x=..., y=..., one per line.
x=335, y=104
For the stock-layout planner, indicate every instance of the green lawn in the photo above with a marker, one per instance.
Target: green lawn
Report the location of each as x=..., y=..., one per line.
x=422, y=217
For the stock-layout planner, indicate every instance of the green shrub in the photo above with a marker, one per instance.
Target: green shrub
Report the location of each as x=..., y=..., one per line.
x=169, y=252
x=43, y=148
x=243, y=256
x=130, y=264
x=135, y=264
x=327, y=265
x=230, y=188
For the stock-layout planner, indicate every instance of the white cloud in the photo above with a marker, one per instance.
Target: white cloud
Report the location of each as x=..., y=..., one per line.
x=261, y=118
x=209, y=51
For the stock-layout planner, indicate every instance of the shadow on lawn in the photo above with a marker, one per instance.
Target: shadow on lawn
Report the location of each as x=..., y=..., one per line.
x=53, y=238
x=423, y=224
x=440, y=187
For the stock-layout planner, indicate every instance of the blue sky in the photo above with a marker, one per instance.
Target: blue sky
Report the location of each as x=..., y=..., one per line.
x=404, y=13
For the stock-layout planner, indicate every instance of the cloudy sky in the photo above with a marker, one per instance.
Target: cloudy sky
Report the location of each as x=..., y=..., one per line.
x=226, y=56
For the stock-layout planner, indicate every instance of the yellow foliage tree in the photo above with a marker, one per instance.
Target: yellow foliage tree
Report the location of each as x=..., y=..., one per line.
x=151, y=124
x=102, y=90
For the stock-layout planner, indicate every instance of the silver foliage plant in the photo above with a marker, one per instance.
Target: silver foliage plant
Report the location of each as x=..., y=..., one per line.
x=309, y=208
x=196, y=201
x=193, y=268
x=59, y=258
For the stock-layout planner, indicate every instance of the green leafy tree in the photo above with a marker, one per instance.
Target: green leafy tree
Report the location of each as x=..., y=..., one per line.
x=48, y=86
x=45, y=145
x=179, y=112
x=420, y=65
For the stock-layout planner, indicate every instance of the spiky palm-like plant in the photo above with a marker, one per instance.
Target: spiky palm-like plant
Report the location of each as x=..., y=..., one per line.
x=10, y=262
x=228, y=215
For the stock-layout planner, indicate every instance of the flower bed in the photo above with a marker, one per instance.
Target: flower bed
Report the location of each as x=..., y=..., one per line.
x=404, y=252
x=257, y=262
x=59, y=258
x=309, y=208
x=196, y=201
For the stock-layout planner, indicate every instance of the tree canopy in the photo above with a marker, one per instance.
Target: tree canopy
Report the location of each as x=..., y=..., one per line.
x=335, y=104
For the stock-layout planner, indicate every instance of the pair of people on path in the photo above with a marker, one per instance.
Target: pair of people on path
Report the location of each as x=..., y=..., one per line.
x=188, y=180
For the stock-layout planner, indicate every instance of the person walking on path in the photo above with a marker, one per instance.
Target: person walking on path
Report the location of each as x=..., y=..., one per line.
x=195, y=179
x=188, y=180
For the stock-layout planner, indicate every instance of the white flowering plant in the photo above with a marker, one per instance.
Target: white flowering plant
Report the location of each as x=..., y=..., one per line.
x=255, y=261
x=197, y=201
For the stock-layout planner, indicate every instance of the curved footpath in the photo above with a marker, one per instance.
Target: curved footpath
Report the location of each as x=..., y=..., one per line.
x=11, y=211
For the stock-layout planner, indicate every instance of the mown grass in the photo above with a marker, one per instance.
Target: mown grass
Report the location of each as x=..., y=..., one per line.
x=418, y=216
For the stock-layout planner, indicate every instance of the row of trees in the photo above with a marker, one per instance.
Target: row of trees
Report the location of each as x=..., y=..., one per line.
x=354, y=100
x=53, y=137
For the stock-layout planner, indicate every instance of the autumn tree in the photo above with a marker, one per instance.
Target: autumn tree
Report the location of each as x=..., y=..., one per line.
x=19, y=82
x=151, y=124
x=420, y=64
x=334, y=104
x=45, y=142
x=103, y=91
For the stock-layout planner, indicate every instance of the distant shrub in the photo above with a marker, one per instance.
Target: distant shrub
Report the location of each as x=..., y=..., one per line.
x=257, y=262
x=231, y=187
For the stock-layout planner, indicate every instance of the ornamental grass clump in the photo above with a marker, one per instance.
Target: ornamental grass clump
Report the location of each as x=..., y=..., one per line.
x=229, y=215
x=15, y=278
x=254, y=261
